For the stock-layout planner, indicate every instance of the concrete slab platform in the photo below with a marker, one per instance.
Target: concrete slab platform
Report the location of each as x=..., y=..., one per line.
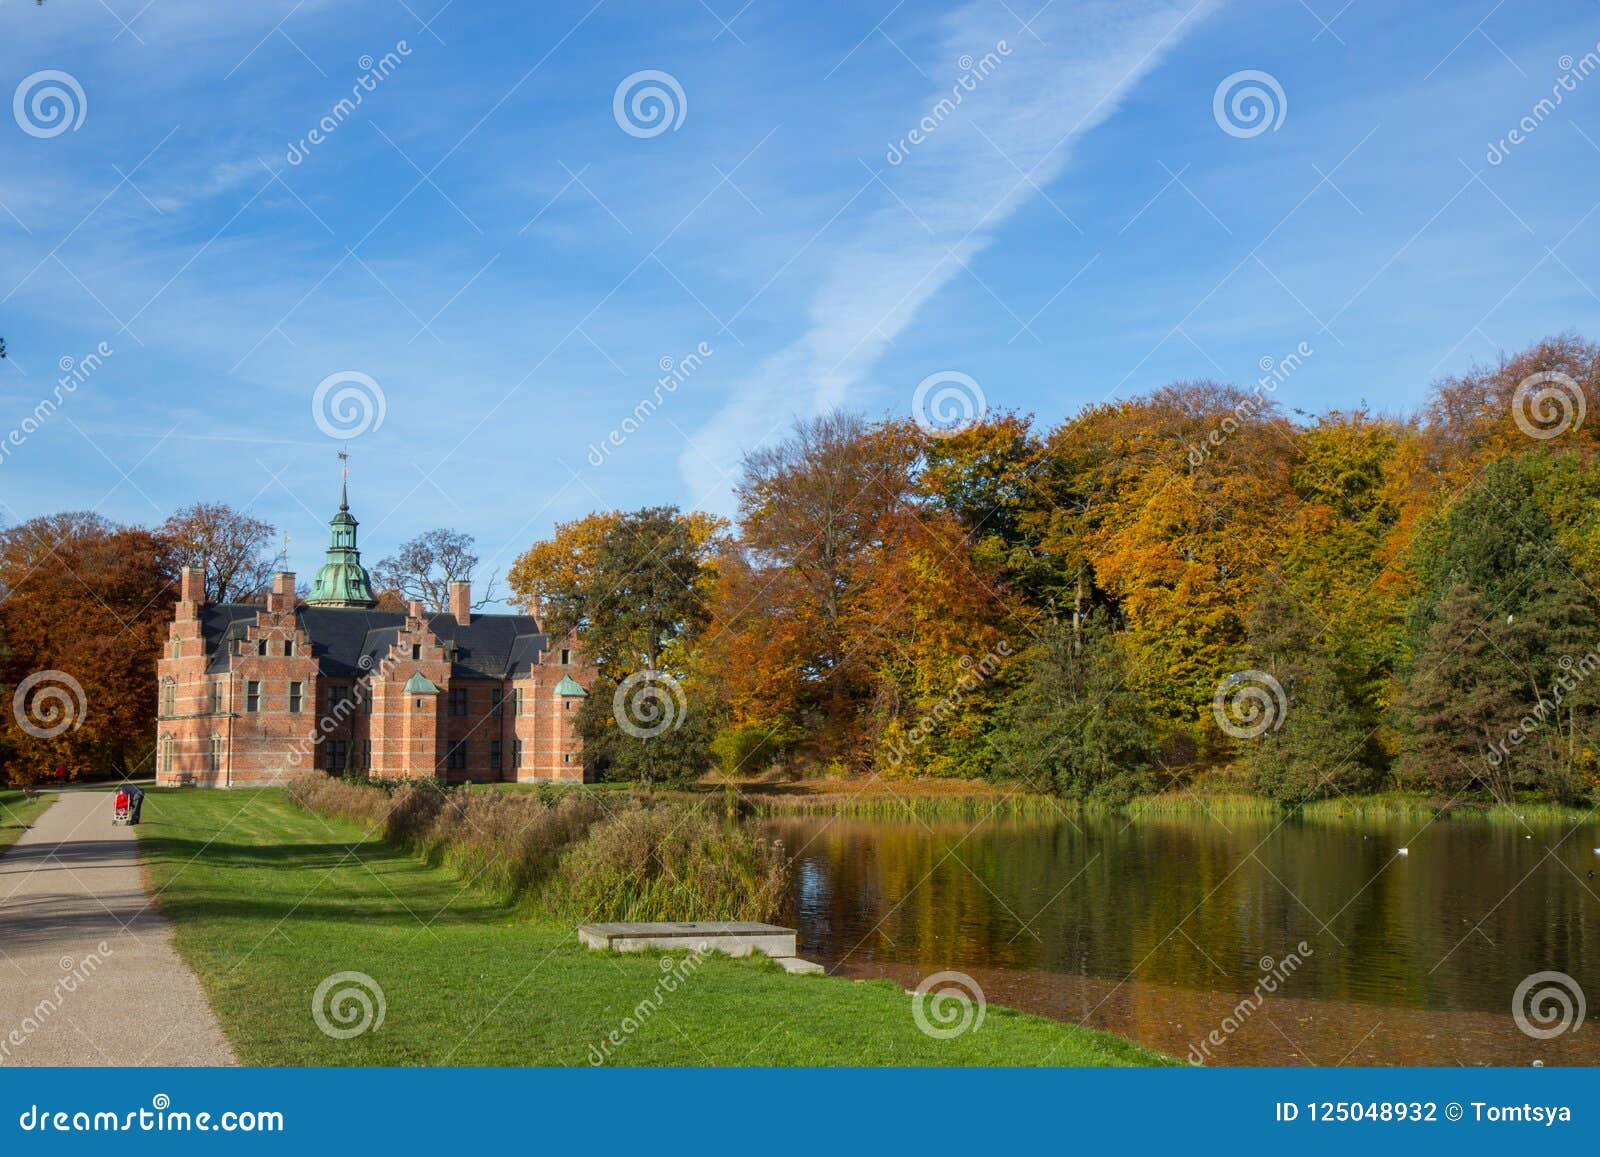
x=735, y=938
x=800, y=967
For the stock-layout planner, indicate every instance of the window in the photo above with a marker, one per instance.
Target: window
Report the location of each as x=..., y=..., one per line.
x=366, y=754
x=288, y=648
x=566, y=705
x=516, y=701
x=456, y=760
x=216, y=697
x=335, y=754
x=166, y=753
x=566, y=656
x=497, y=700
x=494, y=755
x=261, y=646
x=252, y=695
x=419, y=703
x=566, y=759
x=458, y=700
x=169, y=697
x=296, y=693
x=416, y=651
x=216, y=753
x=516, y=753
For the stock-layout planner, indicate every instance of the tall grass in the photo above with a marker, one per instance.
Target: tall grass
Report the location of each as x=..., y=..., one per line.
x=571, y=854
x=671, y=863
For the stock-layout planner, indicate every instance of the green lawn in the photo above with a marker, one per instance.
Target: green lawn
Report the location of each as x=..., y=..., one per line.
x=269, y=900
x=16, y=814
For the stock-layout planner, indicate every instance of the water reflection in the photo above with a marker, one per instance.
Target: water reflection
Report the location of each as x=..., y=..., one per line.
x=1158, y=928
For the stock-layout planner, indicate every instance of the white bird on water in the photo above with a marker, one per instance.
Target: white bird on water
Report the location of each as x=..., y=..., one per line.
x=1403, y=852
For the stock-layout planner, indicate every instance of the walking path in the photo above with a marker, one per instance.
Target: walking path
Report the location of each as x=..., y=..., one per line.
x=88, y=974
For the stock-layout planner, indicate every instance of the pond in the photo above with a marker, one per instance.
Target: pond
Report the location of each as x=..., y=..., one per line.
x=1228, y=941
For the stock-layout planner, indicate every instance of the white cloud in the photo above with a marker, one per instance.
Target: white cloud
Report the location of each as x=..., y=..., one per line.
x=1010, y=137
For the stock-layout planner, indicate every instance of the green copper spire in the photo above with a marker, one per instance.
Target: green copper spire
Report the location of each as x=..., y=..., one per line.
x=342, y=581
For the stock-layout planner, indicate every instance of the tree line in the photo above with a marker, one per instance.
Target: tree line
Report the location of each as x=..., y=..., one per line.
x=1188, y=586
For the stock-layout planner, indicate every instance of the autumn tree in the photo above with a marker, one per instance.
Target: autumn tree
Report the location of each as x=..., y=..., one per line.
x=634, y=587
x=84, y=616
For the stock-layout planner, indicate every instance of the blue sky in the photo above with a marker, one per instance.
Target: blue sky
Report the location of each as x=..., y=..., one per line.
x=482, y=239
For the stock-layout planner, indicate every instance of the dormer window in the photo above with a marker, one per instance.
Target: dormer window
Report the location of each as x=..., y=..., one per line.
x=288, y=648
x=566, y=657
x=261, y=646
x=416, y=651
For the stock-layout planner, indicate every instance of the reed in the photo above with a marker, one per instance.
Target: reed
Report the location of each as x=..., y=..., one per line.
x=571, y=853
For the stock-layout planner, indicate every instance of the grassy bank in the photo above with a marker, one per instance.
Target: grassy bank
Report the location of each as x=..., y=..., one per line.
x=268, y=900
x=16, y=814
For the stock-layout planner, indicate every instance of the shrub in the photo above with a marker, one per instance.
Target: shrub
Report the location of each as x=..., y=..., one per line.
x=670, y=863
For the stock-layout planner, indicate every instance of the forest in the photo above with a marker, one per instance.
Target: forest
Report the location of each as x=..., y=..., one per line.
x=1202, y=578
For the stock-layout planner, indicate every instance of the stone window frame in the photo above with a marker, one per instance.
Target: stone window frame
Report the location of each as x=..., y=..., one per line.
x=516, y=754
x=215, y=753
x=216, y=696
x=252, y=696
x=169, y=696
x=496, y=759
x=455, y=758
x=458, y=701
x=297, y=696
x=167, y=746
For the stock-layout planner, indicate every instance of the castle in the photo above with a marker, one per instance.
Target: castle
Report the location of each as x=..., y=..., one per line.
x=253, y=695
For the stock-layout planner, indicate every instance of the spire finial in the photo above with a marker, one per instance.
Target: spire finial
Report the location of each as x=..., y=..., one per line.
x=344, y=477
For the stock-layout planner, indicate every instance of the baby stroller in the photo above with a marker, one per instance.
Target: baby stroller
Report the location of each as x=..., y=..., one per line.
x=124, y=812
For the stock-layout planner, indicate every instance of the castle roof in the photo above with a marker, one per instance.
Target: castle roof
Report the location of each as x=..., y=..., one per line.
x=348, y=642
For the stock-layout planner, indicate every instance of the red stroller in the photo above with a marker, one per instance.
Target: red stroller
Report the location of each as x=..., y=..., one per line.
x=124, y=813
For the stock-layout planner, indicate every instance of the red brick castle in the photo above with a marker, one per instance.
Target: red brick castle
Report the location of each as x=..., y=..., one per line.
x=254, y=695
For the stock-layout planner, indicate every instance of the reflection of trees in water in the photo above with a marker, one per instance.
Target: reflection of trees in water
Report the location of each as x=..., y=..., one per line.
x=1193, y=904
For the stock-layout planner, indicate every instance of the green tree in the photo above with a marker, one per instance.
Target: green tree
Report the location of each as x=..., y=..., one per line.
x=1074, y=727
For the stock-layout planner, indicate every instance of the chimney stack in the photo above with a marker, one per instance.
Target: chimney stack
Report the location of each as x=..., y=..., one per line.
x=461, y=601
x=191, y=591
x=281, y=600
x=414, y=609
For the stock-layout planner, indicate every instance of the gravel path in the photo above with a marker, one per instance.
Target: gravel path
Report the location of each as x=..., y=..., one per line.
x=88, y=974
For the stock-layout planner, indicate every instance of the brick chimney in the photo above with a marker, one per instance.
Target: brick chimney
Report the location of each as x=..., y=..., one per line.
x=191, y=591
x=461, y=601
x=281, y=599
x=414, y=610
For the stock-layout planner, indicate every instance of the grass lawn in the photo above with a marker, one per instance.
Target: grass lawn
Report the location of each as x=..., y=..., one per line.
x=16, y=814
x=269, y=900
